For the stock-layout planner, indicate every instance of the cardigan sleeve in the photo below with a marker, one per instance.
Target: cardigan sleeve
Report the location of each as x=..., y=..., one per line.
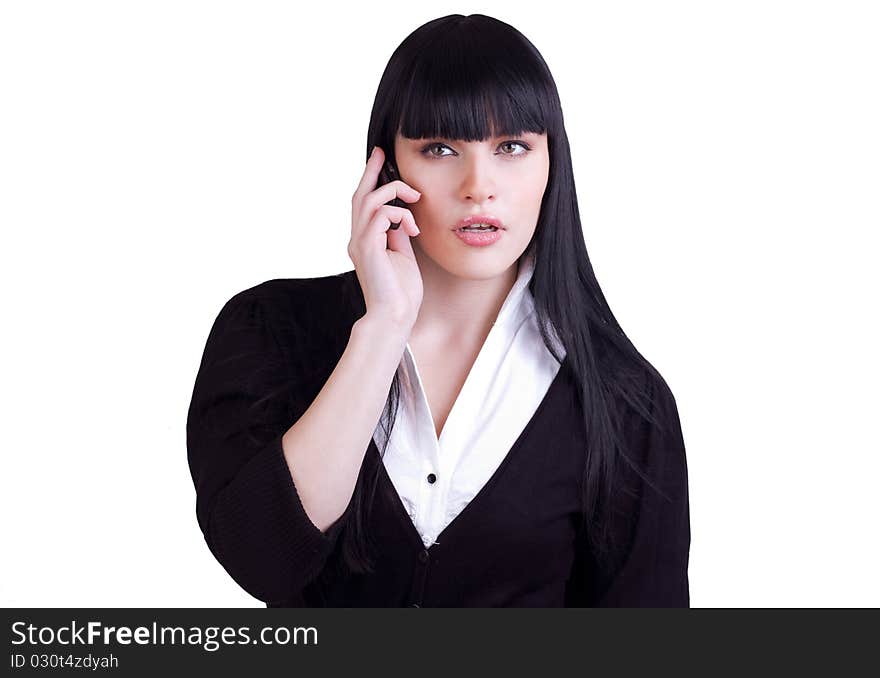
x=654, y=522
x=247, y=506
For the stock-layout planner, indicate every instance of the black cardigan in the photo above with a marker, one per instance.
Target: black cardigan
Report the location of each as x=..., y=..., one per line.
x=519, y=542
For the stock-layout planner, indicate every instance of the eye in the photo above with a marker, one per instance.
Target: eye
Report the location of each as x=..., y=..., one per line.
x=426, y=151
x=517, y=143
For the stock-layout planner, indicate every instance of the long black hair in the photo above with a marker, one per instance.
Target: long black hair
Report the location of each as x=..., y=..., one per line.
x=466, y=78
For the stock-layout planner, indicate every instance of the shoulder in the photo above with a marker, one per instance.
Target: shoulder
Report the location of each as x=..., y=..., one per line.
x=308, y=319
x=654, y=391
x=300, y=304
x=297, y=293
x=640, y=391
x=662, y=402
x=646, y=411
x=660, y=440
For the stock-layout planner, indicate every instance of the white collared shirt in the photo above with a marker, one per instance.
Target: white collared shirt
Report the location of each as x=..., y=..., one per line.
x=508, y=380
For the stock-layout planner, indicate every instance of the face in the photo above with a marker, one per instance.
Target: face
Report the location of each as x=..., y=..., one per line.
x=504, y=177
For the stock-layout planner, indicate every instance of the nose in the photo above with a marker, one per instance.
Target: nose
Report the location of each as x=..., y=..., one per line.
x=478, y=183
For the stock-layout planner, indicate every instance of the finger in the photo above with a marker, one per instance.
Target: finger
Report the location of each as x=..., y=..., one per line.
x=371, y=173
x=388, y=217
x=377, y=201
x=388, y=192
x=401, y=240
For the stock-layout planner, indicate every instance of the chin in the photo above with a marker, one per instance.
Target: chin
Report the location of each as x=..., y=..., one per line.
x=477, y=265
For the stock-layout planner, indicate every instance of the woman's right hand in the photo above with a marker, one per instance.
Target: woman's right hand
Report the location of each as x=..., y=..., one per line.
x=383, y=258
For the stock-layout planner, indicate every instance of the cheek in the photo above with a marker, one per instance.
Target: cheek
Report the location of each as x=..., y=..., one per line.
x=425, y=213
x=533, y=192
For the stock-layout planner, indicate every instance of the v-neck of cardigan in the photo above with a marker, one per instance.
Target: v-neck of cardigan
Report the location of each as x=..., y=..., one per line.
x=397, y=502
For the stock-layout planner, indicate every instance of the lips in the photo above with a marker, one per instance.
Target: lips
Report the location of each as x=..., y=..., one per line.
x=479, y=219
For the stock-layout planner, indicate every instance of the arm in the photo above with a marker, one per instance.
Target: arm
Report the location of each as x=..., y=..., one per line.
x=325, y=449
x=273, y=469
x=652, y=570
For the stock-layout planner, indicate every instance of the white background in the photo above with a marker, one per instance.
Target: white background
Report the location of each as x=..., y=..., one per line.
x=158, y=157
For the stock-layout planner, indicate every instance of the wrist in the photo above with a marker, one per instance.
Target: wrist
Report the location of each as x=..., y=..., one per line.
x=383, y=328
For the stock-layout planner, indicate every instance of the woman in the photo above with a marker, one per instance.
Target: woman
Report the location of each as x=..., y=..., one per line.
x=530, y=456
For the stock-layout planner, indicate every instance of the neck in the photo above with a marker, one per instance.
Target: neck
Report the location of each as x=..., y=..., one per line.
x=459, y=309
